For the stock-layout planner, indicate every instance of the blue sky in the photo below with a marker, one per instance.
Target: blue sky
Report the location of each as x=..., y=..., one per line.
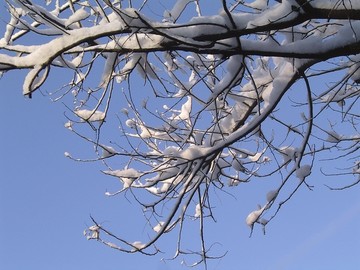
x=46, y=201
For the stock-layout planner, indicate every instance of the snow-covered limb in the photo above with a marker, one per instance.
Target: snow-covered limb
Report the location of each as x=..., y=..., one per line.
x=210, y=99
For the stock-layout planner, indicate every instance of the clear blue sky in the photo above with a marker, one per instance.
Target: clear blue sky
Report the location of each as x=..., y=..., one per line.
x=46, y=200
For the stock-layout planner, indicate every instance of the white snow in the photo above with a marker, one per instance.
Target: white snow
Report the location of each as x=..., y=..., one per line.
x=131, y=63
x=34, y=79
x=278, y=13
x=131, y=123
x=68, y=125
x=171, y=150
x=227, y=124
x=138, y=245
x=234, y=72
x=108, y=151
x=184, y=114
x=110, y=63
x=257, y=156
x=10, y=27
x=159, y=226
x=288, y=153
x=145, y=132
x=78, y=16
x=176, y=11
x=153, y=190
x=93, y=232
x=126, y=173
x=233, y=182
x=127, y=176
x=90, y=115
x=254, y=215
x=197, y=210
x=272, y=92
x=194, y=152
x=166, y=185
x=303, y=172
x=259, y=4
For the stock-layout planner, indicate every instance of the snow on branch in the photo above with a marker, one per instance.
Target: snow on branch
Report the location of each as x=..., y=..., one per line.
x=202, y=99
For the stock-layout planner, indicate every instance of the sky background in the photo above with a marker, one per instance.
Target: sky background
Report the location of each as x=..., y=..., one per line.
x=46, y=201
